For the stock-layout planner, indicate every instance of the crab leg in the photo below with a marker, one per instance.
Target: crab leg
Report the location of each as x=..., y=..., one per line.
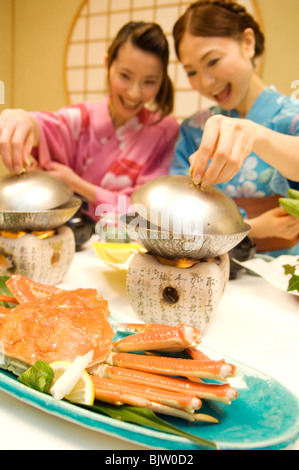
x=109, y=393
x=167, y=338
x=219, y=370
x=24, y=289
x=146, y=327
x=219, y=392
x=143, y=395
x=142, y=327
x=7, y=298
x=197, y=354
x=168, y=410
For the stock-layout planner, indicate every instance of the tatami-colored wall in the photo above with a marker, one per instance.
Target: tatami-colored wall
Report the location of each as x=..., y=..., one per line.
x=280, y=22
x=41, y=30
x=33, y=36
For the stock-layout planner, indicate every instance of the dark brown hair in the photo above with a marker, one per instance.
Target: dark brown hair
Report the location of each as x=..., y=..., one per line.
x=221, y=18
x=148, y=37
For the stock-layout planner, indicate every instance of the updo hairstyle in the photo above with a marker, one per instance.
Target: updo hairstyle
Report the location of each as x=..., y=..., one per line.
x=220, y=18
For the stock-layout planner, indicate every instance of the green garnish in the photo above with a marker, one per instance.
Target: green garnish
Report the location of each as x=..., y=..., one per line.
x=148, y=418
x=39, y=377
x=291, y=203
x=294, y=279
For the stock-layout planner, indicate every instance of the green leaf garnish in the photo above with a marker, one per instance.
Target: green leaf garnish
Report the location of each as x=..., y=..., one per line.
x=291, y=206
x=39, y=377
x=148, y=418
x=288, y=269
x=5, y=291
x=294, y=280
x=294, y=283
x=293, y=193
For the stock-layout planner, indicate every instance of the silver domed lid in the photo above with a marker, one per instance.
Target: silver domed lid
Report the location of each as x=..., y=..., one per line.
x=32, y=191
x=176, y=204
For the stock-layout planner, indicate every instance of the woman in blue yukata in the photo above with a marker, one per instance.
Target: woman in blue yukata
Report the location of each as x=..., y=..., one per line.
x=247, y=144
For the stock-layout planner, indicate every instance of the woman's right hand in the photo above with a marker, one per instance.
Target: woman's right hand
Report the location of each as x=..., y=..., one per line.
x=225, y=144
x=18, y=135
x=274, y=223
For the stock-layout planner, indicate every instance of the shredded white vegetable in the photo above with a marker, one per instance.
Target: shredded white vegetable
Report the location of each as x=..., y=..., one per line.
x=67, y=382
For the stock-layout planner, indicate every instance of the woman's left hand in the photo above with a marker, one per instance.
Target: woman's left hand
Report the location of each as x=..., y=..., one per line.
x=275, y=222
x=64, y=173
x=226, y=142
x=77, y=184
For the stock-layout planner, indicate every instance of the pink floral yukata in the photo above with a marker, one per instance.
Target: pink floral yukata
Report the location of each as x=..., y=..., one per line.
x=118, y=161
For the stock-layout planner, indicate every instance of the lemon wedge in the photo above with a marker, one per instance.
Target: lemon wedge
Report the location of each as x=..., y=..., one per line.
x=83, y=391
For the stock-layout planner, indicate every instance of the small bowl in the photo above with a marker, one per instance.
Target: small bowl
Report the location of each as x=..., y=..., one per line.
x=82, y=227
x=241, y=252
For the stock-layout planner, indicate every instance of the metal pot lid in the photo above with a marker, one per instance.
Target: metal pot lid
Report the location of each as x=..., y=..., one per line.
x=32, y=191
x=175, y=204
x=39, y=220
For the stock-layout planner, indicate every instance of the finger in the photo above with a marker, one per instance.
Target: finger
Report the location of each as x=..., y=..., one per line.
x=200, y=159
x=228, y=157
x=222, y=165
x=285, y=216
x=290, y=226
x=292, y=232
x=22, y=134
x=293, y=224
x=28, y=145
x=192, y=162
x=280, y=212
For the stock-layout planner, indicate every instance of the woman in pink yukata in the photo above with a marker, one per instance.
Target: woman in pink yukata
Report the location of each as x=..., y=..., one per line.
x=106, y=149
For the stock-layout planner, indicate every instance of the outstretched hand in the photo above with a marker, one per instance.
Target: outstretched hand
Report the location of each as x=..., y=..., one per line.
x=226, y=142
x=18, y=135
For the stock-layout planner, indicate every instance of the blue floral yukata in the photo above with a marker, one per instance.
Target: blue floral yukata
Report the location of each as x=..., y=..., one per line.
x=256, y=178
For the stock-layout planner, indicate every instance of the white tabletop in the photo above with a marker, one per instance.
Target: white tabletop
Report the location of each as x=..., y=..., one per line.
x=255, y=324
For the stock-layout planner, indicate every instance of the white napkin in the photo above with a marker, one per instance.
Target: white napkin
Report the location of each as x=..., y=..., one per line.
x=273, y=271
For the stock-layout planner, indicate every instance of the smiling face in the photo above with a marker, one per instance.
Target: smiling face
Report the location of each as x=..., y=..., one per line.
x=135, y=77
x=221, y=69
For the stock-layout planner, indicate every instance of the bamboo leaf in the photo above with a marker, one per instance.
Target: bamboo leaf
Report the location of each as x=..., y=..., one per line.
x=146, y=417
